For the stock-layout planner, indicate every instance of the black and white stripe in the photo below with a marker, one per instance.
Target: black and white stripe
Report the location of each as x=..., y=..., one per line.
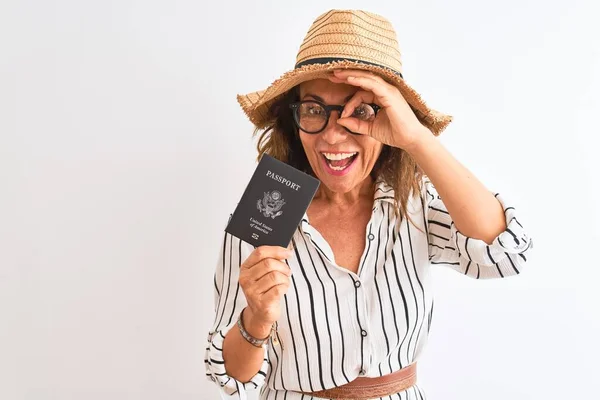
x=336, y=325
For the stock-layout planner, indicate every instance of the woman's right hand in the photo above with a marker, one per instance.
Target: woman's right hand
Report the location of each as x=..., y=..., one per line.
x=264, y=279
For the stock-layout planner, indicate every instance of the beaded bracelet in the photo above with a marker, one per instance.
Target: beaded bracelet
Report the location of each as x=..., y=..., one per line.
x=249, y=338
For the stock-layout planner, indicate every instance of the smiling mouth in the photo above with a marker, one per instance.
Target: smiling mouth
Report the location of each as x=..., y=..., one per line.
x=339, y=161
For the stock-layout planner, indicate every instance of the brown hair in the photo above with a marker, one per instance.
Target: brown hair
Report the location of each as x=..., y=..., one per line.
x=281, y=141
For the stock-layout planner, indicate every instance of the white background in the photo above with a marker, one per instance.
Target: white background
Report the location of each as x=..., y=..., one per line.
x=123, y=151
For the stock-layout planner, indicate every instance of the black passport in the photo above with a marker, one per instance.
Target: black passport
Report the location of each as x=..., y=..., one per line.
x=273, y=204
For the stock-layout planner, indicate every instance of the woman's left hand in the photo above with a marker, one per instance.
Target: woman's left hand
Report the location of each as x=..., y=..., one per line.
x=395, y=124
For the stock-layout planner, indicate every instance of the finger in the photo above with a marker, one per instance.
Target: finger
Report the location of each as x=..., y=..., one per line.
x=271, y=279
x=361, y=96
x=336, y=79
x=344, y=73
x=276, y=292
x=386, y=93
x=266, y=266
x=356, y=125
x=262, y=252
x=368, y=83
x=342, y=76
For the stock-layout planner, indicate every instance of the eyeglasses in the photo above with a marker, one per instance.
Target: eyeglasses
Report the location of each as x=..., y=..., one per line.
x=312, y=116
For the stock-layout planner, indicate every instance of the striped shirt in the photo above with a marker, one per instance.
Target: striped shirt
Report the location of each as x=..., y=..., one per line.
x=336, y=325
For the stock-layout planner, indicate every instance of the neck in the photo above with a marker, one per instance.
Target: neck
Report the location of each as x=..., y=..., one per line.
x=364, y=191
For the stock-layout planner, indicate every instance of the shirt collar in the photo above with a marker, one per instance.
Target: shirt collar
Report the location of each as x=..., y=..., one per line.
x=384, y=193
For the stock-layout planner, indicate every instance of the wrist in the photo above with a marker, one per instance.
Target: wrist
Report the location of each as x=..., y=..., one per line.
x=424, y=141
x=255, y=327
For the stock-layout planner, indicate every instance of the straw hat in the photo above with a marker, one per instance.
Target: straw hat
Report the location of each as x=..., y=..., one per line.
x=344, y=39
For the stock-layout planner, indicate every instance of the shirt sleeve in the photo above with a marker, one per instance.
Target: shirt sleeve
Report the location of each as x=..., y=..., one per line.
x=505, y=257
x=229, y=302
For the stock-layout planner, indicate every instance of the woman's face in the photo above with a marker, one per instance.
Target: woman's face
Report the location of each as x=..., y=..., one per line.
x=340, y=159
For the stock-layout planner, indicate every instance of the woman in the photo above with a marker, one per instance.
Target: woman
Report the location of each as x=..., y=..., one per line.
x=346, y=311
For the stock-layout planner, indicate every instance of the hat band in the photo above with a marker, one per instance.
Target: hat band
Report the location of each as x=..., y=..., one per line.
x=327, y=60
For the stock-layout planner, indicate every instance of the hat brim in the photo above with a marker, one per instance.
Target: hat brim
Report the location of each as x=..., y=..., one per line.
x=256, y=104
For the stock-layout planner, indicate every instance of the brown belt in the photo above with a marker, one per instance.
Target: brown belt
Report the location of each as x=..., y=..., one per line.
x=363, y=388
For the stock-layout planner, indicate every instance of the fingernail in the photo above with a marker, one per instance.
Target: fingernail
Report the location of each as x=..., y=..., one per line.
x=350, y=78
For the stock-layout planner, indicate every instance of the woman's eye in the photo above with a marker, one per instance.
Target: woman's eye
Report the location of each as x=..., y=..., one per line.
x=364, y=112
x=315, y=110
x=358, y=111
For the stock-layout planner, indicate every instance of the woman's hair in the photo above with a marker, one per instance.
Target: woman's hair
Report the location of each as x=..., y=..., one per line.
x=280, y=140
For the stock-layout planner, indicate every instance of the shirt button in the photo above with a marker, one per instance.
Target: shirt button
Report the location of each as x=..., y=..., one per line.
x=364, y=333
x=371, y=236
x=356, y=284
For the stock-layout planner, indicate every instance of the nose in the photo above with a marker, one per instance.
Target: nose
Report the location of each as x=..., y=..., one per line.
x=334, y=132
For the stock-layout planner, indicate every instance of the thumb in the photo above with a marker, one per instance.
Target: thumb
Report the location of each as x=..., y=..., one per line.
x=347, y=122
x=353, y=124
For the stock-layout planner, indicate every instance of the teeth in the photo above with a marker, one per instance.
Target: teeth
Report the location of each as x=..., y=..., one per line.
x=338, y=156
